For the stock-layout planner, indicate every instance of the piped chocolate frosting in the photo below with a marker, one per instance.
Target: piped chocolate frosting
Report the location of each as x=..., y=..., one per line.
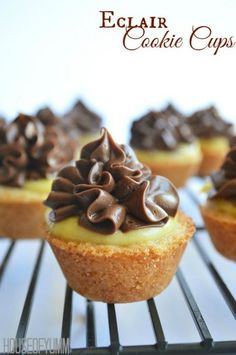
x=109, y=189
x=31, y=150
x=209, y=124
x=224, y=180
x=47, y=116
x=82, y=118
x=232, y=142
x=160, y=130
x=170, y=109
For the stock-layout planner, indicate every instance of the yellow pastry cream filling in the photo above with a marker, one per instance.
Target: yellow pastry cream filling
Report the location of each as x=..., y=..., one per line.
x=185, y=152
x=83, y=140
x=70, y=230
x=31, y=191
x=86, y=138
x=214, y=144
x=222, y=206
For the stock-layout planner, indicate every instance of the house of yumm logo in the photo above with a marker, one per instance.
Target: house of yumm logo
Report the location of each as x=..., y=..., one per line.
x=154, y=32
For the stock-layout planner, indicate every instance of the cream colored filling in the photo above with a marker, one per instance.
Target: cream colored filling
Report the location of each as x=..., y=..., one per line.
x=222, y=206
x=70, y=230
x=32, y=191
x=206, y=187
x=185, y=152
x=85, y=139
x=214, y=144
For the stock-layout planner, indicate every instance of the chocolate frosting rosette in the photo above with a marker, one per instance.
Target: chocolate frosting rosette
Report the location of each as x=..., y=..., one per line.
x=109, y=189
x=31, y=150
x=208, y=124
x=83, y=119
x=219, y=211
x=215, y=136
x=160, y=130
x=47, y=117
x=164, y=141
x=224, y=180
x=115, y=228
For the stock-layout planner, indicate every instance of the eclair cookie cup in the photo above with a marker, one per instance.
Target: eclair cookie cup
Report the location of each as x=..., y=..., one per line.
x=164, y=142
x=114, y=228
x=178, y=166
x=29, y=154
x=49, y=118
x=214, y=136
x=219, y=212
x=22, y=213
x=86, y=122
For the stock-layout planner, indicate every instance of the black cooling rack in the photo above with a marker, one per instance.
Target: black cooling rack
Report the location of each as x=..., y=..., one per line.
x=207, y=345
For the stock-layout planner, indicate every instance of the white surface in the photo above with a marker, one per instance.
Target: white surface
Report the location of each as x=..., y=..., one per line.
x=53, y=51
x=133, y=319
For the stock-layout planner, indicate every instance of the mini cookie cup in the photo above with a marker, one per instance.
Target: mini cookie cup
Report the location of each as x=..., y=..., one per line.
x=121, y=274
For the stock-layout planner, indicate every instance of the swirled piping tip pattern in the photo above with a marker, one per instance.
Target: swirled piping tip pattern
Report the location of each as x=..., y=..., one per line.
x=161, y=130
x=208, y=124
x=31, y=150
x=47, y=117
x=109, y=189
x=82, y=118
x=224, y=180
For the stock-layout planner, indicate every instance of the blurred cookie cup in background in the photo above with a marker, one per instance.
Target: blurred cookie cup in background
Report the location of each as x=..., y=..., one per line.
x=214, y=135
x=163, y=141
x=30, y=153
x=219, y=212
x=48, y=118
x=86, y=122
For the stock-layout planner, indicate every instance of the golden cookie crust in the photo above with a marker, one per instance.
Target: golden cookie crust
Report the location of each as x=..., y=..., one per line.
x=211, y=161
x=178, y=173
x=22, y=220
x=117, y=274
x=222, y=230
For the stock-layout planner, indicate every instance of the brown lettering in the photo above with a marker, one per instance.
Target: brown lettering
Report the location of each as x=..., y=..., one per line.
x=106, y=19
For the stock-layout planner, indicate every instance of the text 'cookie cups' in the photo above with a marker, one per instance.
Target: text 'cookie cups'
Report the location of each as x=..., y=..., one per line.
x=114, y=228
x=219, y=212
x=164, y=142
x=30, y=151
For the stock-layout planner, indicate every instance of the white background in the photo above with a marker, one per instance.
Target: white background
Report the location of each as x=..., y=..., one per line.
x=52, y=51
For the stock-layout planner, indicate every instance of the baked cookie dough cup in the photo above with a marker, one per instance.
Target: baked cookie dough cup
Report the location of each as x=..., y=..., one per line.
x=213, y=152
x=214, y=135
x=30, y=152
x=163, y=141
x=22, y=213
x=114, y=228
x=177, y=166
x=123, y=273
x=222, y=230
x=219, y=212
x=86, y=122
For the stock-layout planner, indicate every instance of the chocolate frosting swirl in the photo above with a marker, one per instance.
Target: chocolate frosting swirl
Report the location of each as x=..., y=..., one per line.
x=209, y=124
x=224, y=180
x=162, y=130
x=30, y=150
x=2, y=129
x=2, y=121
x=172, y=110
x=83, y=119
x=109, y=189
x=47, y=116
x=232, y=141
